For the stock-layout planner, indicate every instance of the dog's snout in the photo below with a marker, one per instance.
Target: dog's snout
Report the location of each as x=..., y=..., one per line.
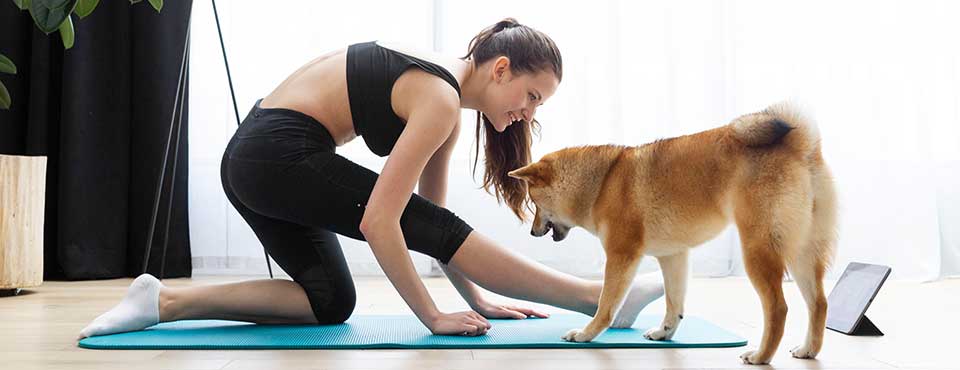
x=538, y=233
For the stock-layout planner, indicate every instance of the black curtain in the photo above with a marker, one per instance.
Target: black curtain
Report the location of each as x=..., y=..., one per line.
x=101, y=113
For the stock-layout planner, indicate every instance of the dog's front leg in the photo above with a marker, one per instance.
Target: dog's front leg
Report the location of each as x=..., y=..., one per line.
x=617, y=279
x=674, y=268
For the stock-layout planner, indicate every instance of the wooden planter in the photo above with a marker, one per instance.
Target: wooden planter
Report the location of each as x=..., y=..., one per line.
x=22, y=189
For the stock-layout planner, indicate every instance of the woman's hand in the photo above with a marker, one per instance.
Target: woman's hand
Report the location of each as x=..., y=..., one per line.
x=466, y=323
x=505, y=311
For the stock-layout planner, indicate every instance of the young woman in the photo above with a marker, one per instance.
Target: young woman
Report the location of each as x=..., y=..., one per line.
x=280, y=171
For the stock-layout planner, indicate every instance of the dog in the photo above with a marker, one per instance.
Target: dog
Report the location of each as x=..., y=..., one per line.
x=763, y=171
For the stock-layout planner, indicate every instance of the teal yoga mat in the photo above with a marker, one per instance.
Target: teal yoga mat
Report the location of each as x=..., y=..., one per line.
x=405, y=331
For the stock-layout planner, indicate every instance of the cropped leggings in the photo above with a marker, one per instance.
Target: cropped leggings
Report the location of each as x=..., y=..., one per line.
x=280, y=171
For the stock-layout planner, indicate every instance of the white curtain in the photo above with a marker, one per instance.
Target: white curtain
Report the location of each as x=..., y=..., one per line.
x=881, y=78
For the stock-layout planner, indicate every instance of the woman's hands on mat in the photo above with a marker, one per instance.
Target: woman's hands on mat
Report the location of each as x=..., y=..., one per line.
x=474, y=323
x=466, y=323
x=505, y=311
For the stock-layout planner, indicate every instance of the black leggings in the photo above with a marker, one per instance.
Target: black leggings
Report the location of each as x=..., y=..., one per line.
x=281, y=173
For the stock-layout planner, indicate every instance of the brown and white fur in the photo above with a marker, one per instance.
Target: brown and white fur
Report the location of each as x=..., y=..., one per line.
x=763, y=171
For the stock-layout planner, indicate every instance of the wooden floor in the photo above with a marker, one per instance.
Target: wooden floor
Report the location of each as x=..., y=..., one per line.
x=39, y=327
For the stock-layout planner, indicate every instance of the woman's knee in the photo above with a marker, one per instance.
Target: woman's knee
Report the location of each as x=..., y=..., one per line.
x=332, y=303
x=339, y=310
x=433, y=230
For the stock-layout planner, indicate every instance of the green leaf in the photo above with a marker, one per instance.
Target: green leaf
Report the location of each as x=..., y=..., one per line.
x=85, y=7
x=49, y=14
x=22, y=4
x=4, y=97
x=7, y=66
x=66, y=33
x=157, y=4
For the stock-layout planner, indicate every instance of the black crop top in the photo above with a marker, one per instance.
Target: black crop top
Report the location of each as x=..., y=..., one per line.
x=371, y=72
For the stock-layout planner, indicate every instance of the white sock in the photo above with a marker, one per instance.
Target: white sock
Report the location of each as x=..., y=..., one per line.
x=646, y=288
x=139, y=309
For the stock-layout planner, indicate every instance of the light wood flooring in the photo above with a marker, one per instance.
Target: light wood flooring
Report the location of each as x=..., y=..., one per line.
x=38, y=330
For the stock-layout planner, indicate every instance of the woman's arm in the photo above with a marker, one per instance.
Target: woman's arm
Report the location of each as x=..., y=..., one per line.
x=433, y=187
x=428, y=126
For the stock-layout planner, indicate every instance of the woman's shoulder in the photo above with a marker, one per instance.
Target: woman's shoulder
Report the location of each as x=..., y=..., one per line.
x=453, y=65
x=417, y=90
x=419, y=52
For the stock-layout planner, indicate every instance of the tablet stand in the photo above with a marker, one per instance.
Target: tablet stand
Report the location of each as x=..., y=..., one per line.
x=866, y=328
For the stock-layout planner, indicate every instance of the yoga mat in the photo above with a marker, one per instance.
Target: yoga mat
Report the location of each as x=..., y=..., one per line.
x=405, y=331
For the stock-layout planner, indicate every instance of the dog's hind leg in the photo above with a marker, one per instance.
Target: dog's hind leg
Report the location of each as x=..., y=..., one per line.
x=808, y=272
x=767, y=233
x=811, y=261
x=772, y=212
x=675, y=275
x=765, y=268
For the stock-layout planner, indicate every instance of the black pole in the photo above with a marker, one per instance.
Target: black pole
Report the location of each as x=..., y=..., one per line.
x=226, y=64
x=236, y=112
x=166, y=152
x=176, y=159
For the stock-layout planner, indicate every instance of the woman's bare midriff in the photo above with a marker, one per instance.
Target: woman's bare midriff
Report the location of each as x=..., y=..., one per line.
x=319, y=90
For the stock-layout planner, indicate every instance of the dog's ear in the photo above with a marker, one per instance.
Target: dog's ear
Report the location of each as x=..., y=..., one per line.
x=534, y=174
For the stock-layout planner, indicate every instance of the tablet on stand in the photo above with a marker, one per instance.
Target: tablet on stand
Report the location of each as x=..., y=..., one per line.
x=851, y=296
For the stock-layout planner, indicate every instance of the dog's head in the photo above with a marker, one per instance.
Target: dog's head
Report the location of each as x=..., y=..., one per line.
x=540, y=177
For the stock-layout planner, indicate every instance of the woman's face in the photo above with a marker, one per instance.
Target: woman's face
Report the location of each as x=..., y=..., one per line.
x=515, y=97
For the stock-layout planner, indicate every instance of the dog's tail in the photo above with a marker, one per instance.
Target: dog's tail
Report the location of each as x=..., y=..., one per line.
x=779, y=124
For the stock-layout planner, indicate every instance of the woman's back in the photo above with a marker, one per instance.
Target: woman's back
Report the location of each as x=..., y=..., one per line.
x=320, y=88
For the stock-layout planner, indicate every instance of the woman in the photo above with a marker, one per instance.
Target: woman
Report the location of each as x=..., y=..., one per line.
x=281, y=173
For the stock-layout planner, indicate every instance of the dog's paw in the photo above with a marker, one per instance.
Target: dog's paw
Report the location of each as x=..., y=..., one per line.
x=577, y=335
x=659, y=333
x=803, y=352
x=753, y=358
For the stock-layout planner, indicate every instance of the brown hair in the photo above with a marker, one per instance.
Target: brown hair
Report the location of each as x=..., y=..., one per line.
x=529, y=51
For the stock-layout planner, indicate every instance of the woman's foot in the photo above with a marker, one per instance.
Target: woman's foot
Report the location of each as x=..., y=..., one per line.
x=138, y=310
x=646, y=288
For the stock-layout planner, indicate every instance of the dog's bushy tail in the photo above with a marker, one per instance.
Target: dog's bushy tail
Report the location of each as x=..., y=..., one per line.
x=779, y=124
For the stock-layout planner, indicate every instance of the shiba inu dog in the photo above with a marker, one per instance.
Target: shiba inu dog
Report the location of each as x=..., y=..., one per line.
x=763, y=171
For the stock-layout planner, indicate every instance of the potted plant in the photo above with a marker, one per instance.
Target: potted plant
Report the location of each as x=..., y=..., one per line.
x=23, y=178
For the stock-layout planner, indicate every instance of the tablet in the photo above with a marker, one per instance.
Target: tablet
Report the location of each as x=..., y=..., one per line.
x=852, y=295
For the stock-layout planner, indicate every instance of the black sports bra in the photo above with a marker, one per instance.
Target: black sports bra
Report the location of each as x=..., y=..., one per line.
x=371, y=72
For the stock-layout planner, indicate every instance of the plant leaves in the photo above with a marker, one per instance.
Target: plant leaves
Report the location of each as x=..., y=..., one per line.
x=134, y=1
x=22, y=4
x=85, y=7
x=4, y=97
x=49, y=14
x=66, y=33
x=7, y=66
x=157, y=4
